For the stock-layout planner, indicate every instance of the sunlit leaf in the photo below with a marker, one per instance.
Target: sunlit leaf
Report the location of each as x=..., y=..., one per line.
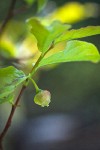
x=74, y=51
x=56, y=29
x=79, y=33
x=45, y=35
x=10, y=78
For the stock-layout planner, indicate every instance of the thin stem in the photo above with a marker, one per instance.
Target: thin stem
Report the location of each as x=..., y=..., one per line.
x=8, y=17
x=36, y=65
x=39, y=59
x=2, y=28
x=8, y=123
x=14, y=106
x=35, y=85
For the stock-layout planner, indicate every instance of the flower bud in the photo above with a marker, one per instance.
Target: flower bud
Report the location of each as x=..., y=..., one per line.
x=42, y=98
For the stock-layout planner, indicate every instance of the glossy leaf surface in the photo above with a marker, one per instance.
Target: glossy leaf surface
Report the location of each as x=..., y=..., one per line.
x=46, y=35
x=10, y=78
x=79, y=33
x=74, y=51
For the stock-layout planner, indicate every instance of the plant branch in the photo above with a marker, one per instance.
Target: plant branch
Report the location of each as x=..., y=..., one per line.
x=35, y=85
x=8, y=123
x=39, y=59
x=36, y=65
x=8, y=17
x=14, y=106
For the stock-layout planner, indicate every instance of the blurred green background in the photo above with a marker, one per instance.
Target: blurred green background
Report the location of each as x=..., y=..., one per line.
x=75, y=88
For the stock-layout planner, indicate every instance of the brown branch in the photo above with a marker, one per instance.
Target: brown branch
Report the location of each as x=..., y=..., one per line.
x=14, y=106
x=8, y=17
x=8, y=123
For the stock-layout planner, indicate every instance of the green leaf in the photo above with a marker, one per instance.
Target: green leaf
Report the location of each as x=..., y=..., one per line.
x=56, y=29
x=39, y=31
x=79, y=33
x=10, y=78
x=41, y=4
x=74, y=51
x=46, y=35
x=8, y=98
